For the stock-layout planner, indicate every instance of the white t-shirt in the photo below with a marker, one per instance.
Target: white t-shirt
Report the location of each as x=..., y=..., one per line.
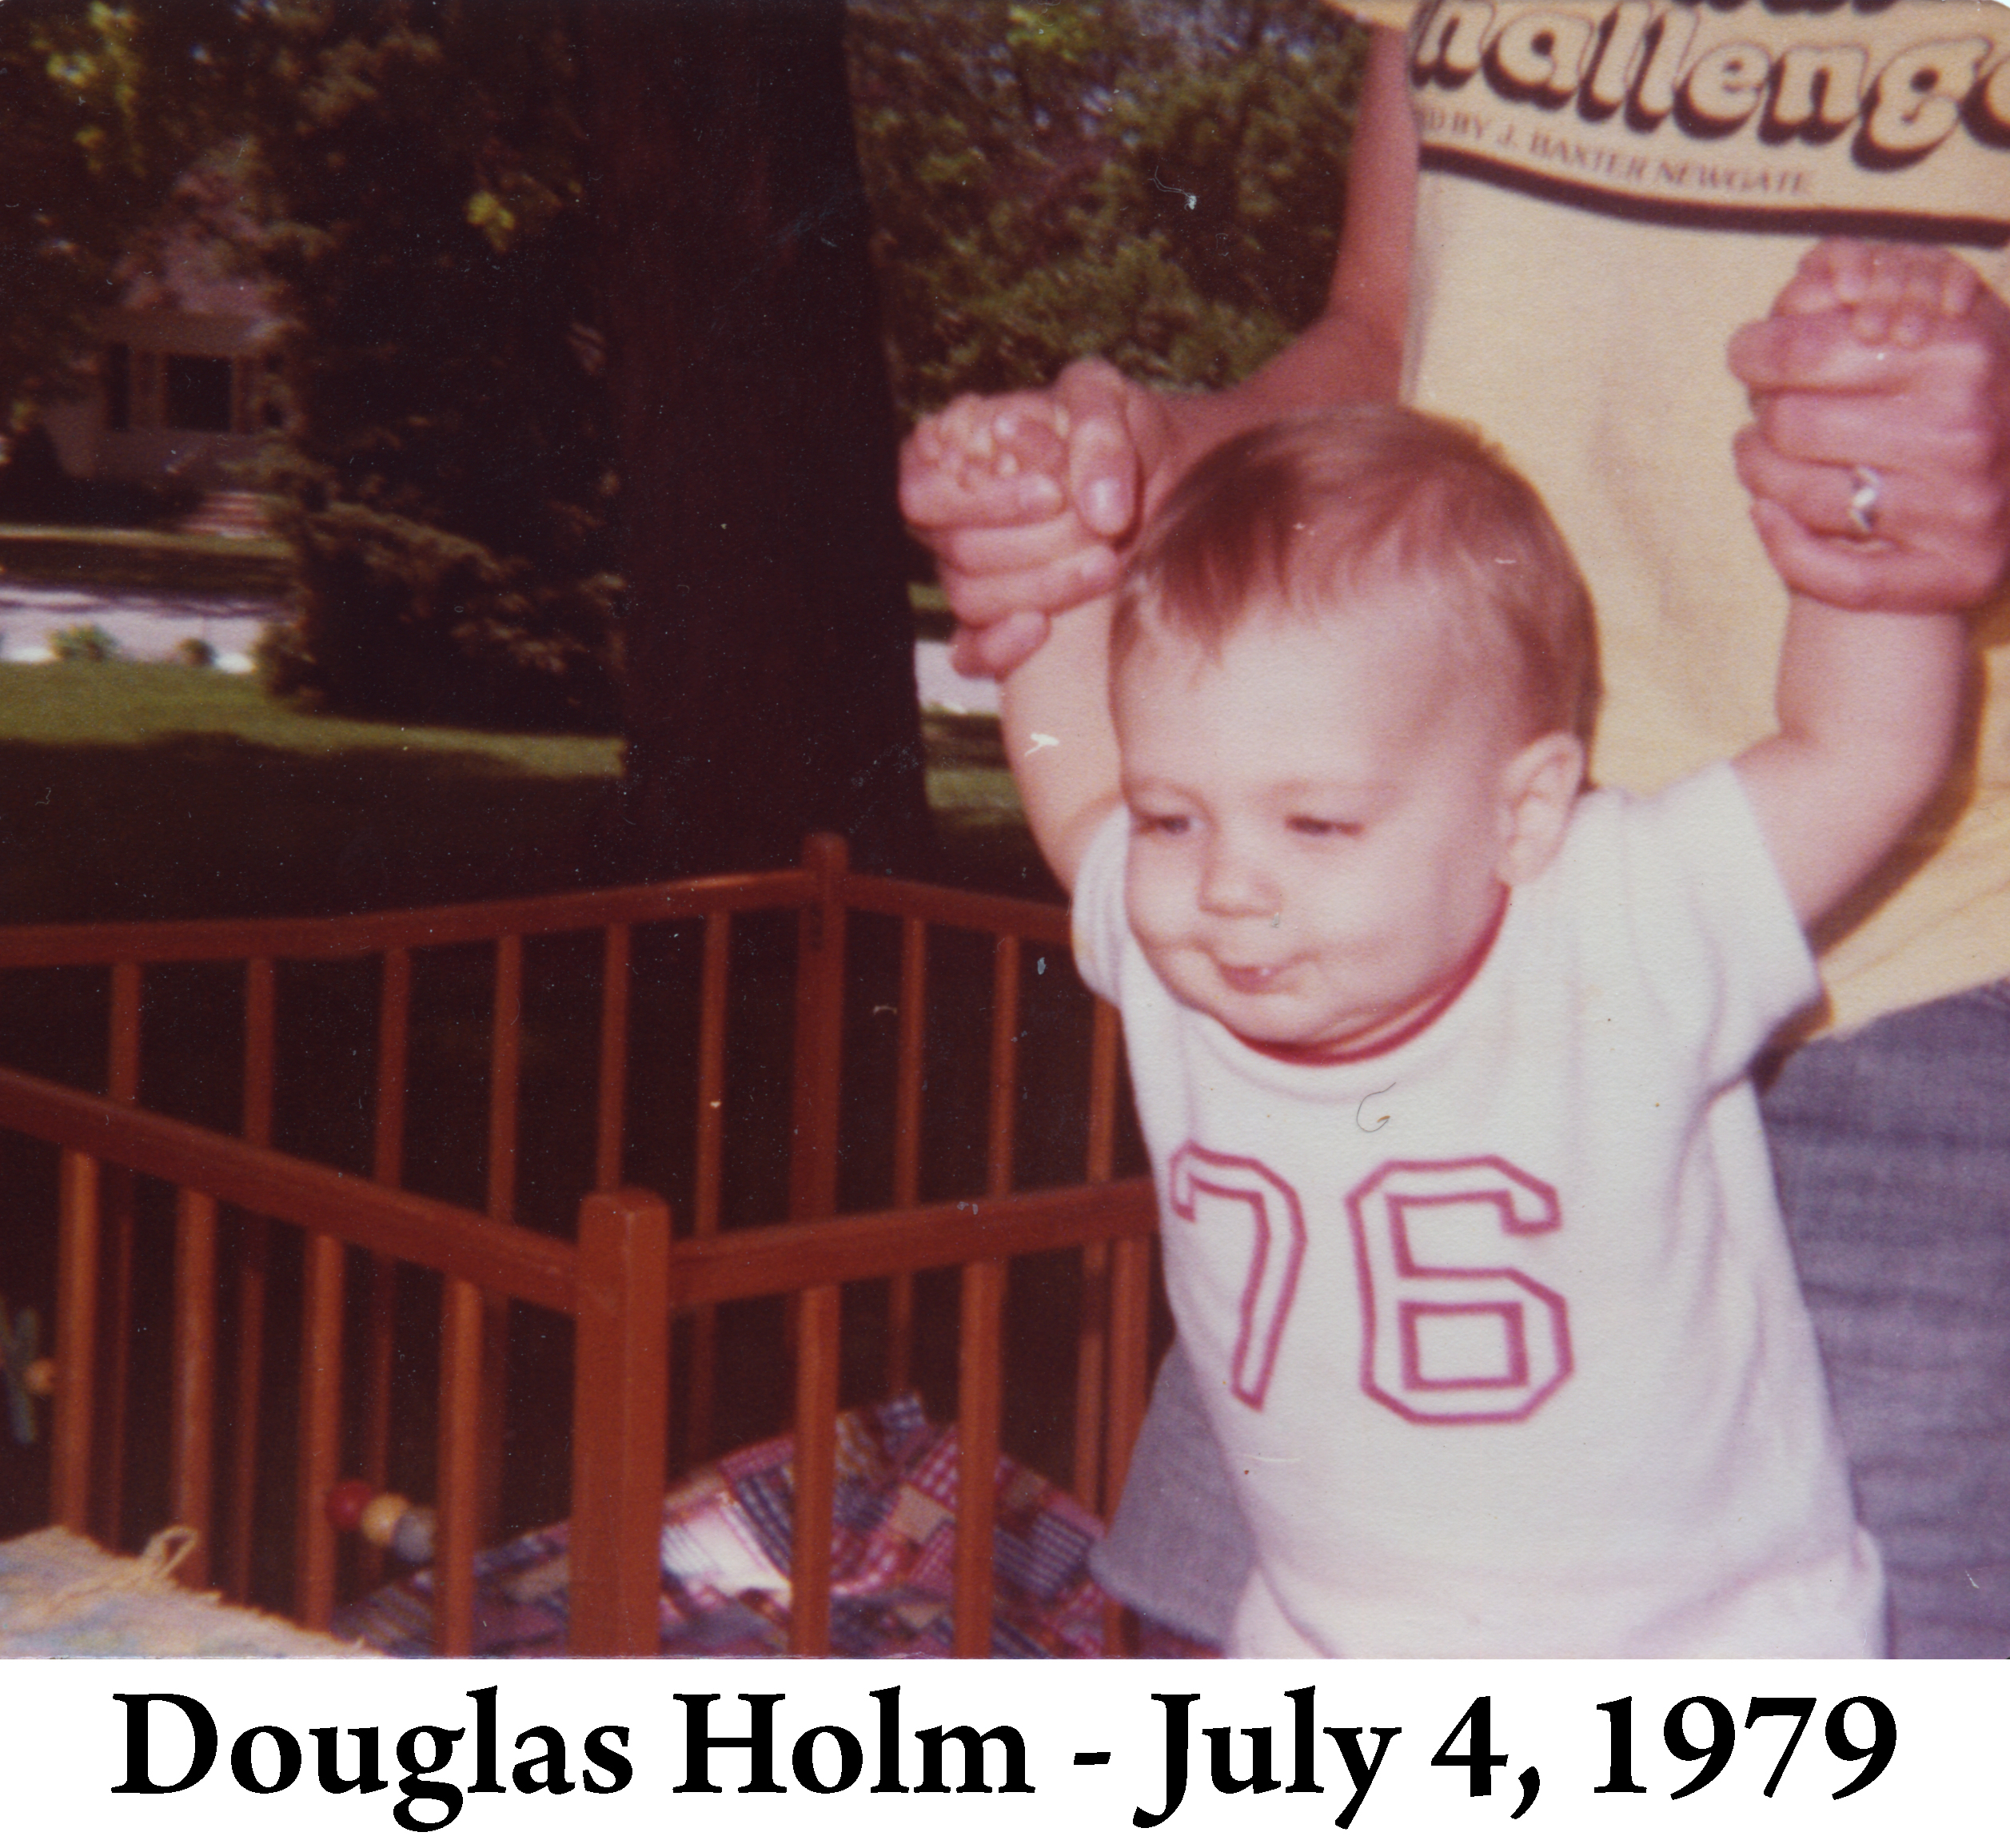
x=1497, y=1325
x=1609, y=188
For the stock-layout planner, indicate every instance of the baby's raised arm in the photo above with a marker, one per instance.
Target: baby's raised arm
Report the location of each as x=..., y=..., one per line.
x=1868, y=703
x=1060, y=737
x=1867, y=698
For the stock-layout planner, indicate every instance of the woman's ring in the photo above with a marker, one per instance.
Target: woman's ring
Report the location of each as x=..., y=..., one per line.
x=1867, y=490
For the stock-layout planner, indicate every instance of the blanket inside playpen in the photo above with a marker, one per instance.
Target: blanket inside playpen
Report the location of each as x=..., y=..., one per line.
x=63, y=1595
x=727, y=1539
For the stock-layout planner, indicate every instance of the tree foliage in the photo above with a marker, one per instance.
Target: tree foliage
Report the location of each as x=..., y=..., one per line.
x=1157, y=182
x=102, y=107
x=447, y=478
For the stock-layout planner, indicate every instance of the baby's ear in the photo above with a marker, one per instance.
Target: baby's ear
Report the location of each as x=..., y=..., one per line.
x=1539, y=787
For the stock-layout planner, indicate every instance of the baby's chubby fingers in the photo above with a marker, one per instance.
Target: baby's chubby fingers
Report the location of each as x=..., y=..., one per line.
x=1940, y=410
x=1895, y=293
x=955, y=472
x=1816, y=352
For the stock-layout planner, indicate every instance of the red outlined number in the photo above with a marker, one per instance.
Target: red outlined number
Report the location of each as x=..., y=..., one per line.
x=1277, y=1226
x=1455, y=1344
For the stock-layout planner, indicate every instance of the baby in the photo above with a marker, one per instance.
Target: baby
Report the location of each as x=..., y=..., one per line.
x=1469, y=1225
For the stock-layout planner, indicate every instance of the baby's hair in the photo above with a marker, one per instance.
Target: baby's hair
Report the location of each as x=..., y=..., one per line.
x=1290, y=517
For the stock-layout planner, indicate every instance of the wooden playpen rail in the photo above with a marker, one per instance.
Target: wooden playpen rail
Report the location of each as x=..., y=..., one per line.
x=822, y=893
x=619, y=1284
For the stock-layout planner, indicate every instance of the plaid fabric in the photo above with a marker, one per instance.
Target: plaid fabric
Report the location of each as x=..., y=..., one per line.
x=728, y=1535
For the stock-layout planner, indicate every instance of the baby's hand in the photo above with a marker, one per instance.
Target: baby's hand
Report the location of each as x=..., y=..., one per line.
x=981, y=444
x=1026, y=499
x=1896, y=293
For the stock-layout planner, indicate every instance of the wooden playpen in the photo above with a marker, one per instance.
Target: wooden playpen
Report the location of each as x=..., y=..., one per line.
x=623, y=1280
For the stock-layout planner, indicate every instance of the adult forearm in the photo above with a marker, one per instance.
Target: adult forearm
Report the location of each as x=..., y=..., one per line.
x=1341, y=358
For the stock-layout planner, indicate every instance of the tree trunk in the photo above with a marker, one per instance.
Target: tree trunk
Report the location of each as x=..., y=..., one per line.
x=768, y=644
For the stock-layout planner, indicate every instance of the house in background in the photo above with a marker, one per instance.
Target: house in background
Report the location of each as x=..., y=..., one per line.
x=186, y=376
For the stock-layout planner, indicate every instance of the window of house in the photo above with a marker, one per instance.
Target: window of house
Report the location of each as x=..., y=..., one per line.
x=198, y=392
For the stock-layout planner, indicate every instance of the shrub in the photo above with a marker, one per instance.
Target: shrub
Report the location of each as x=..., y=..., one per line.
x=400, y=620
x=194, y=651
x=87, y=642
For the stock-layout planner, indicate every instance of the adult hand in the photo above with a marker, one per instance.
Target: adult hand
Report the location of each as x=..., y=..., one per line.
x=1896, y=360
x=1016, y=545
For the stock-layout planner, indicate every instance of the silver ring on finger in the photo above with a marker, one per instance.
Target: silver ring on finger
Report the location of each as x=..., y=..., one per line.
x=1867, y=492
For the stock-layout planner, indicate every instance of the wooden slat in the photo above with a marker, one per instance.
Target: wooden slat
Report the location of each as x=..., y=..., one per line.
x=779, y=1260
x=334, y=939
x=908, y=1081
x=713, y=993
x=1092, y=1339
x=505, y=1074
x=978, y=1400
x=907, y=1139
x=387, y=1168
x=523, y=1264
x=505, y=1066
x=369, y=933
x=253, y=1245
x=610, y=1120
x=1105, y=1045
x=818, y=1340
x=115, y=1205
x=620, y=1415
x=253, y=1250
x=702, y=1372
x=1004, y=1072
x=1032, y=919
x=319, y=1463
x=375, y=1390
x=980, y=1360
x=819, y=1036
x=77, y=1271
x=191, y=1461
x=459, y=1531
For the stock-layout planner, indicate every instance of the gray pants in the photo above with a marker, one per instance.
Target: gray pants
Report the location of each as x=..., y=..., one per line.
x=1892, y=1149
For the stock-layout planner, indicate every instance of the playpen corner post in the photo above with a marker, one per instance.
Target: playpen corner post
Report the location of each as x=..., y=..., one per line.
x=620, y=1417
x=820, y=1032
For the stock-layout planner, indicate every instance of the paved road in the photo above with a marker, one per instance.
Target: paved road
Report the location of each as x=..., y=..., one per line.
x=146, y=626
x=150, y=626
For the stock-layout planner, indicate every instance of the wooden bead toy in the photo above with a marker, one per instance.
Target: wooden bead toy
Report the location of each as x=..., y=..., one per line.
x=345, y=1503
x=412, y=1538
x=380, y=1516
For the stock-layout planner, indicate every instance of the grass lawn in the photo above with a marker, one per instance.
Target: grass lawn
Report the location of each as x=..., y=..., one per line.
x=132, y=790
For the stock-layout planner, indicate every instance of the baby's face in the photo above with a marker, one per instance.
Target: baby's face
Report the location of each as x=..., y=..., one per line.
x=1319, y=817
